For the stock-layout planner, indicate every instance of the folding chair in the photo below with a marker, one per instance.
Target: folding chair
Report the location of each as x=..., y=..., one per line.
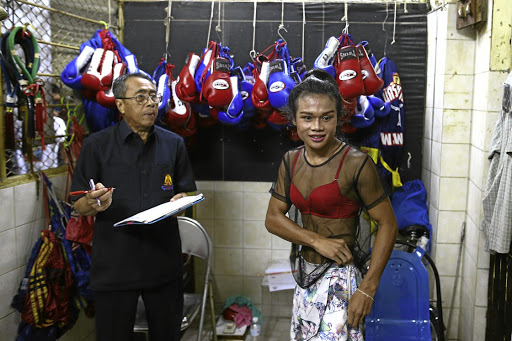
x=196, y=242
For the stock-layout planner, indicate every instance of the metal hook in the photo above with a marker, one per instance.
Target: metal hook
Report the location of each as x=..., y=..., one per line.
x=281, y=27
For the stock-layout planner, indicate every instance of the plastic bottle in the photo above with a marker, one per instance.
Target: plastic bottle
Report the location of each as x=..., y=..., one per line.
x=255, y=329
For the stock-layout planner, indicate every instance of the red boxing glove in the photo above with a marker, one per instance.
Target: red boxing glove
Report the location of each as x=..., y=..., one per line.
x=372, y=82
x=100, y=70
x=217, y=87
x=348, y=71
x=186, y=86
x=259, y=94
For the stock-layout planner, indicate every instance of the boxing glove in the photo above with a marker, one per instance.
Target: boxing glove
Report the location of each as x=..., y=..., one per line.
x=364, y=114
x=203, y=113
x=348, y=71
x=106, y=98
x=245, y=91
x=203, y=69
x=100, y=70
x=163, y=90
x=369, y=52
x=325, y=59
x=277, y=120
x=186, y=86
x=234, y=113
x=189, y=128
x=348, y=106
x=71, y=75
x=178, y=112
x=372, y=83
x=297, y=65
x=279, y=84
x=380, y=107
x=217, y=90
x=259, y=94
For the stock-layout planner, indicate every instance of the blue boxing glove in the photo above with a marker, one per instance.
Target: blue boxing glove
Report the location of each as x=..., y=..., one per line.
x=234, y=112
x=364, y=114
x=280, y=84
x=380, y=107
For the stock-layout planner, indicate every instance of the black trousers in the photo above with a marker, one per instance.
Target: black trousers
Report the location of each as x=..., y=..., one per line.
x=115, y=312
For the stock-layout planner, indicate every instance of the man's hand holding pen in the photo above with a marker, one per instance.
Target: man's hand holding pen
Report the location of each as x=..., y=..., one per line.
x=99, y=199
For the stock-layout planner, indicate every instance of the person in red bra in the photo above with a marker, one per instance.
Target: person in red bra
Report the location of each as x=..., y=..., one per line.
x=329, y=182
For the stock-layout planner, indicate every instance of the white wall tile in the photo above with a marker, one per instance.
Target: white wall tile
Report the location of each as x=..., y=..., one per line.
x=466, y=322
x=229, y=186
x=256, y=235
x=458, y=92
x=453, y=331
x=447, y=293
x=437, y=128
x=205, y=186
x=433, y=216
x=436, y=157
x=432, y=28
x=427, y=122
x=228, y=262
x=483, y=256
x=446, y=259
x=471, y=239
x=478, y=159
x=490, y=124
x=279, y=243
x=28, y=206
x=450, y=226
x=482, y=52
x=206, y=208
x=280, y=254
x=451, y=26
x=8, y=288
x=495, y=88
x=434, y=190
x=256, y=261
x=478, y=128
x=251, y=288
x=226, y=286
x=439, y=87
x=229, y=205
x=456, y=126
x=482, y=284
x=260, y=187
x=460, y=59
x=7, y=251
x=425, y=178
x=481, y=94
x=454, y=160
x=475, y=208
x=469, y=275
x=452, y=194
x=26, y=237
x=427, y=153
x=228, y=233
x=9, y=326
x=255, y=205
x=7, y=208
x=480, y=323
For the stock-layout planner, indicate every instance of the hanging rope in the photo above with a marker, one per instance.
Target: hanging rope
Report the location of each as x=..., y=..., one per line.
x=405, y=7
x=394, y=24
x=217, y=28
x=281, y=27
x=345, y=17
x=384, y=29
x=253, y=53
x=109, y=13
x=210, y=26
x=168, y=29
x=303, y=26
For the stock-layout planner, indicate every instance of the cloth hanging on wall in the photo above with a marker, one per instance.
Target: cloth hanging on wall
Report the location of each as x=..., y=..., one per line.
x=497, y=197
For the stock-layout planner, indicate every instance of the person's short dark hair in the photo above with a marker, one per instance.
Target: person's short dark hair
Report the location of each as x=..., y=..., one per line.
x=119, y=87
x=316, y=81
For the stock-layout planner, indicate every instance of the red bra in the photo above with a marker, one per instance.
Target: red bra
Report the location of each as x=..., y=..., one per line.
x=326, y=200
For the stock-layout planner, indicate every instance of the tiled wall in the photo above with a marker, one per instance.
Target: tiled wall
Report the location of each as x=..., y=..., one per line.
x=234, y=215
x=462, y=104
x=22, y=219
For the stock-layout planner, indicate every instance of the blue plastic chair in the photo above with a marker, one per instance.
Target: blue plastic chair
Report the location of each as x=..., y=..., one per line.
x=401, y=307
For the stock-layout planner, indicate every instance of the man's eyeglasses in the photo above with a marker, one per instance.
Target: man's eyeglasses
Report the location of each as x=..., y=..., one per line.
x=143, y=98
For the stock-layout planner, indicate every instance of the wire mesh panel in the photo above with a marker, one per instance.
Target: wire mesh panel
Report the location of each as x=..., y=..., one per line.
x=58, y=27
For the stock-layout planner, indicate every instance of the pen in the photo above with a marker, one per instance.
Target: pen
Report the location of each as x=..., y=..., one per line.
x=93, y=187
x=89, y=191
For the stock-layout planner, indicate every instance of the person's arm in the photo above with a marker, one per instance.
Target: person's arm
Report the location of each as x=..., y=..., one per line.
x=359, y=304
x=88, y=205
x=279, y=224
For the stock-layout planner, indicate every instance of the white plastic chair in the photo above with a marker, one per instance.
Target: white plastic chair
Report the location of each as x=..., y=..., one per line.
x=196, y=242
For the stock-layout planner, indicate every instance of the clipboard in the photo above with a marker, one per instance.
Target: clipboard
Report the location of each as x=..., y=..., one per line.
x=161, y=211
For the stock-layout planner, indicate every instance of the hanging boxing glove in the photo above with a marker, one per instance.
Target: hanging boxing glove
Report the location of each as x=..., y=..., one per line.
x=106, y=98
x=179, y=112
x=203, y=69
x=186, y=87
x=71, y=75
x=380, y=107
x=234, y=112
x=259, y=95
x=216, y=89
x=277, y=120
x=297, y=65
x=325, y=59
x=245, y=91
x=372, y=83
x=100, y=70
x=364, y=114
x=348, y=71
x=279, y=84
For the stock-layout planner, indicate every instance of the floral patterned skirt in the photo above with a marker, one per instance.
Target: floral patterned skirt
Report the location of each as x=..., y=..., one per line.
x=320, y=311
